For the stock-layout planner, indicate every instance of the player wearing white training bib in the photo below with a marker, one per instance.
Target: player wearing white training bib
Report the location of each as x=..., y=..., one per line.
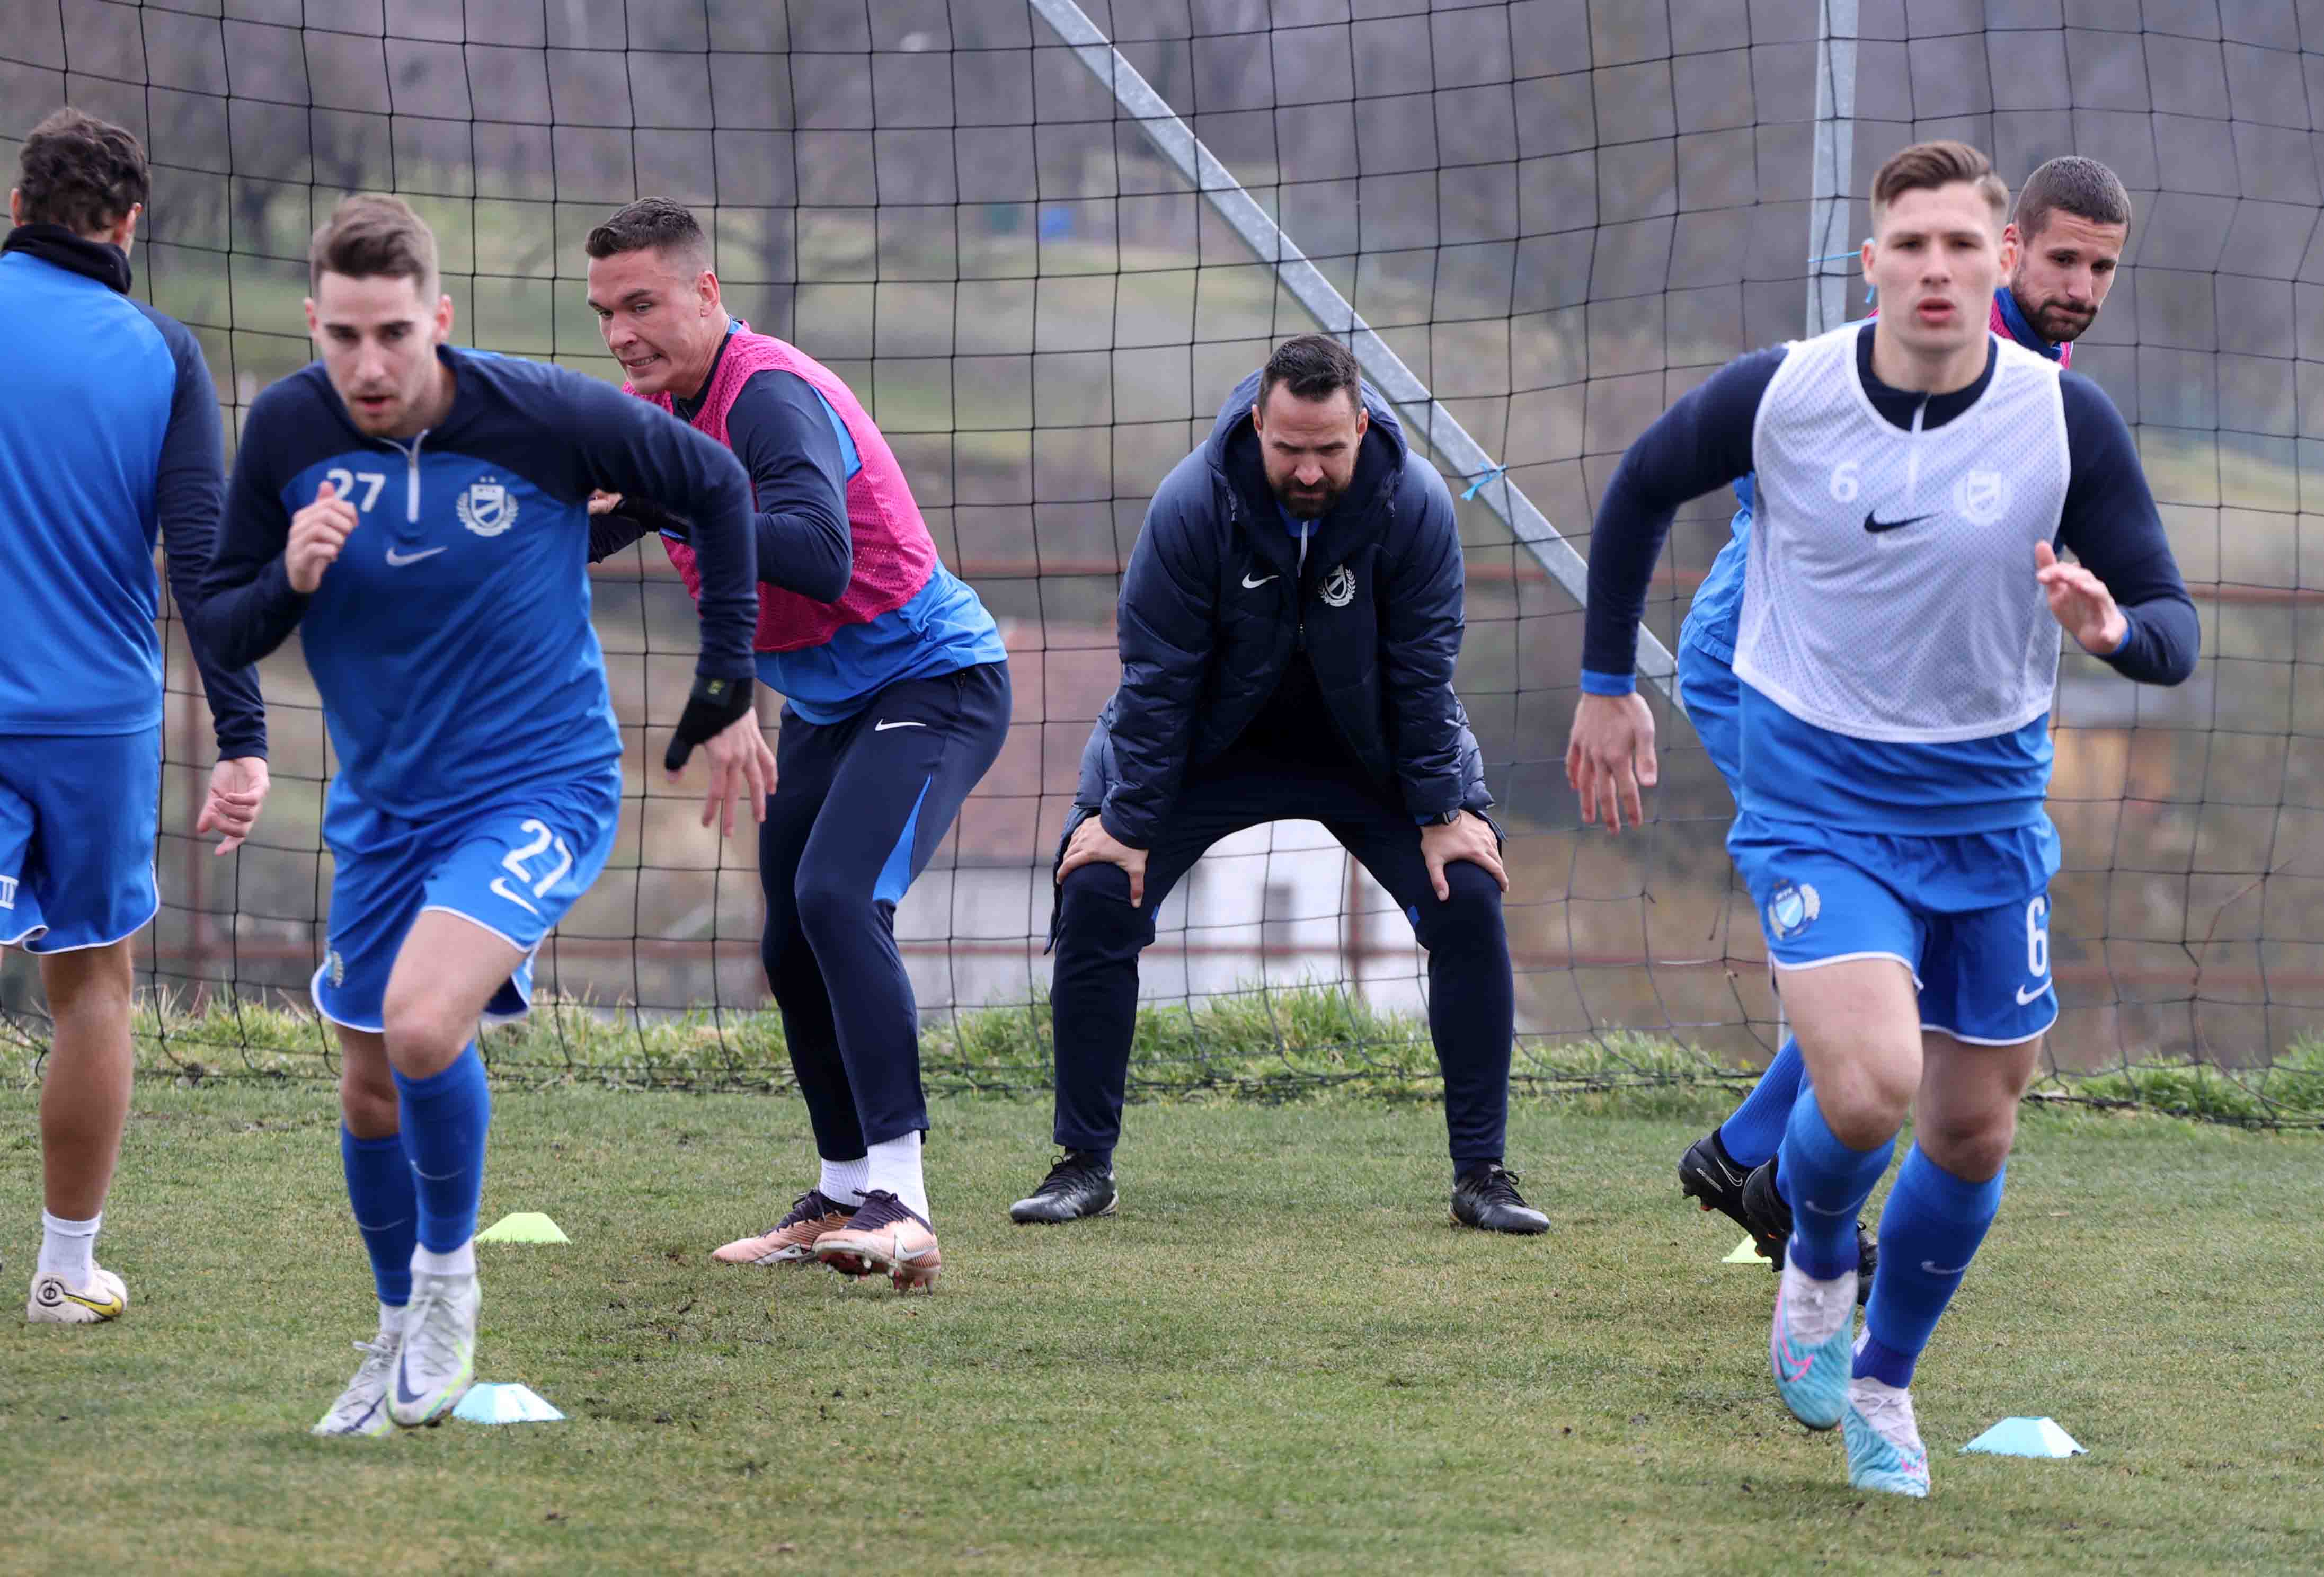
x=2071, y=224
x=1899, y=652
x=1844, y=554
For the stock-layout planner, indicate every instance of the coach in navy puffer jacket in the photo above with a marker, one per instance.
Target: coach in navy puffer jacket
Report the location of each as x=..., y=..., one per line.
x=1203, y=651
x=1290, y=624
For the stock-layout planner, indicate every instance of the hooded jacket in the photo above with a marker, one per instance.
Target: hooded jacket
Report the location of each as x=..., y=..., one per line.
x=1216, y=601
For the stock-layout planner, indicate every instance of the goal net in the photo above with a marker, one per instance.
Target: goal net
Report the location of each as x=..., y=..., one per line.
x=1043, y=240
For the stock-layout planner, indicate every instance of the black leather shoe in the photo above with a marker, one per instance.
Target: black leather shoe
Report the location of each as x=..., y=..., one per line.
x=1488, y=1199
x=1077, y=1187
x=1768, y=1220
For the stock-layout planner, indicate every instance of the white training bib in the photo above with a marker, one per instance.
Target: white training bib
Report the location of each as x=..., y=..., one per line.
x=1890, y=594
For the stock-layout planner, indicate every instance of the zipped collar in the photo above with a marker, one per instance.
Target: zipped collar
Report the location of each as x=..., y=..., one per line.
x=1232, y=450
x=1909, y=408
x=54, y=245
x=2020, y=329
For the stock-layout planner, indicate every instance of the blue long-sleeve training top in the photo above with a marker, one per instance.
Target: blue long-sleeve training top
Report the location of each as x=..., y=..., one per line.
x=450, y=639
x=795, y=452
x=1704, y=441
x=1794, y=771
x=801, y=459
x=115, y=443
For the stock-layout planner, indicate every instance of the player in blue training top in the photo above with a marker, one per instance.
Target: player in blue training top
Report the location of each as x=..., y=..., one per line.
x=421, y=513
x=896, y=687
x=2072, y=223
x=110, y=436
x=1916, y=477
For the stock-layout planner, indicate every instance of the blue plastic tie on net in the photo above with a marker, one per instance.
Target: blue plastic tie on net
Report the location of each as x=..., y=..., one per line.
x=1471, y=491
x=1832, y=257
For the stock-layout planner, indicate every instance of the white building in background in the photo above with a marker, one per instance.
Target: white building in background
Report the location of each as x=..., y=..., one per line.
x=1274, y=905
x=1270, y=905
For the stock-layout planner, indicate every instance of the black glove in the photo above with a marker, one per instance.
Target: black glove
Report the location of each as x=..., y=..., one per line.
x=711, y=709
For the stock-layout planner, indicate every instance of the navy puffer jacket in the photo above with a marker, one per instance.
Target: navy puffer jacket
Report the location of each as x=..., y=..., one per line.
x=1214, y=603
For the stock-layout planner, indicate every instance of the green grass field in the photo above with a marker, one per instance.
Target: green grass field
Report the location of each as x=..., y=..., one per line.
x=1277, y=1358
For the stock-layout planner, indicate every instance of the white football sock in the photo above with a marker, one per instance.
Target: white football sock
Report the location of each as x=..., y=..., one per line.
x=69, y=1248
x=459, y=1261
x=843, y=1182
x=391, y=1320
x=895, y=1169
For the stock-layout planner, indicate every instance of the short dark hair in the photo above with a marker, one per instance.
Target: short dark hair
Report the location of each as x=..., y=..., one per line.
x=1313, y=366
x=81, y=173
x=1926, y=166
x=2070, y=184
x=661, y=223
x=372, y=235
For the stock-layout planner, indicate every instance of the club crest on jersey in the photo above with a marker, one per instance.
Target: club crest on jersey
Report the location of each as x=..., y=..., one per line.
x=1982, y=494
x=1791, y=907
x=1341, y=589
x=486, y=508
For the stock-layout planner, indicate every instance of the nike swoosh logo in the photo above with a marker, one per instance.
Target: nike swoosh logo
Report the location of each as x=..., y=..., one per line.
x=1933, y=1268
x=403, y=1392
x=885, y=727
x=500, y=886
x=1811, y=1207
x=398, y=561
x=2026, y=998
x=1875, y=525
x=108, y=1308
x=1251, y=585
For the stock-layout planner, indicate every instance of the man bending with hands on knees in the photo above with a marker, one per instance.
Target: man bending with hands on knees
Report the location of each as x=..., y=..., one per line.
x=1290, y=619
x=419, y=513
x=1917, y=477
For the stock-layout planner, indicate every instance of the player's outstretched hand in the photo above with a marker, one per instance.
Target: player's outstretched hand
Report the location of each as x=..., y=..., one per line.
x=2081, y=603
x=604, y=502
x=237, y=793
x=318, y=533
x=1609, y=756
x=1092, y=844
x=1471, y=838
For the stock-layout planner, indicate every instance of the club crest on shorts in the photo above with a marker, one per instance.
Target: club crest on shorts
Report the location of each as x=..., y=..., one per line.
x=1341, y=589
x=1790, y=909
x=486, y=508
x=7, y=892
x=337, y=966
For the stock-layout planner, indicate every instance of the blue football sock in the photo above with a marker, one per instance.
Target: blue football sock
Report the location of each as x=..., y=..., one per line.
x=1929, y=1233
x=1750, y=1136
x=445, y=1118
x=387, y=1213
x=1827, y=1184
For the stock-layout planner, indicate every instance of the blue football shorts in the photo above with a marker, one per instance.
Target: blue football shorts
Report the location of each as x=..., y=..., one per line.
x=512, y=870
x=77, y=817
x=1713, y=698
x=1968, y=914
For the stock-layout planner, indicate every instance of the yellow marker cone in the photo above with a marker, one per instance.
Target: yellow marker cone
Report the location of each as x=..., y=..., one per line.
x=523, y=1226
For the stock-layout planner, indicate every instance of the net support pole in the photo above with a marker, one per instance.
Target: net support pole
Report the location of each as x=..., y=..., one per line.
x=1419, y=410
x=1833, y=179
